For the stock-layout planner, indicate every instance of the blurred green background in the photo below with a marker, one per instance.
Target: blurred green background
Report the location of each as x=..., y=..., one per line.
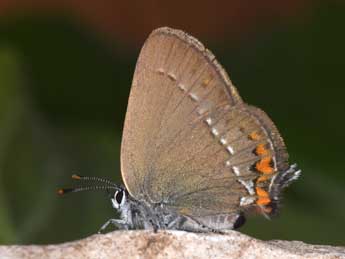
x=65, y=76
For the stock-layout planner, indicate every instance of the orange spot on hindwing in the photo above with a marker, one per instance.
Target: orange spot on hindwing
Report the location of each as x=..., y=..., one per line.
x=263, y=178
x=264, y=165
x=254, y=136
x=261, y=192
x=263, y=197
x=261, y=150
x=263, y=201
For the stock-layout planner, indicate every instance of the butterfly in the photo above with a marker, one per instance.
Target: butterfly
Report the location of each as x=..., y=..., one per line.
x=194, y=156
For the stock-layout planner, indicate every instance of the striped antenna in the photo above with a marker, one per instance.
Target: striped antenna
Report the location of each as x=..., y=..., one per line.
x=93, y=178
x=85, y=188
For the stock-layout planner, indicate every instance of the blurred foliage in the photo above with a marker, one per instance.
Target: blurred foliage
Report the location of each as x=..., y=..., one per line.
x=63, y=98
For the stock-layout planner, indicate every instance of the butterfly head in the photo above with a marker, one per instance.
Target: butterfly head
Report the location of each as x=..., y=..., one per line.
x=118, y=195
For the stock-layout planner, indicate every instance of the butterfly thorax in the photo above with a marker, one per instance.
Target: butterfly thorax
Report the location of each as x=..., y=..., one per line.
x=144, y=215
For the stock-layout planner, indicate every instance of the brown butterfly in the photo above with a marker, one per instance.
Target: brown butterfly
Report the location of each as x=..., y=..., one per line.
x=194, y=156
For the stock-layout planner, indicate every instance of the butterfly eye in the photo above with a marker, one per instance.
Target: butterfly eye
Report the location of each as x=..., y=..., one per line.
x=119, y=196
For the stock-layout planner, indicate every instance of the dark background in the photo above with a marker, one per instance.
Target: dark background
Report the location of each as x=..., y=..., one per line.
x=65, y=74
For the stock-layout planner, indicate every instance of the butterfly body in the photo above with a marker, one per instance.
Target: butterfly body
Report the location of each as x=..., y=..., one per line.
x=142, y=215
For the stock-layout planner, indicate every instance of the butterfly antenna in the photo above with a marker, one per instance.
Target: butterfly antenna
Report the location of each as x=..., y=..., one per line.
x=93, y=178
x=63, y=191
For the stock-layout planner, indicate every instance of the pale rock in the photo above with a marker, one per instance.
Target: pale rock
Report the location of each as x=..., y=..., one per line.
x=173, y=244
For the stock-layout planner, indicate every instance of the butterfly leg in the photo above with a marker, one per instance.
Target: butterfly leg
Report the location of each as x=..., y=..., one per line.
x=153, y=226
x=120, y=224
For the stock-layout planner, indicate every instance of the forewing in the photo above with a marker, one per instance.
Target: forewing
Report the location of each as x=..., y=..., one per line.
x=189, y=141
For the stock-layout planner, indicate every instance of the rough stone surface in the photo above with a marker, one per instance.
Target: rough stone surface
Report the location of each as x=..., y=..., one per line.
x=173, y=244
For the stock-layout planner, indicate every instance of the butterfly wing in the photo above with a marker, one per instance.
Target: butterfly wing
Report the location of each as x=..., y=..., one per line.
x=189, y=141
